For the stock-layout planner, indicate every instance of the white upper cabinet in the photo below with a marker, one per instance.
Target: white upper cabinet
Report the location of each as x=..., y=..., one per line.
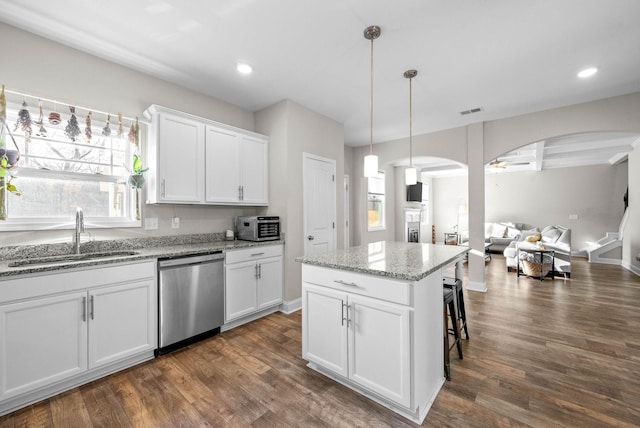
x=197, y=161
x=254, y=171
x=174, y=153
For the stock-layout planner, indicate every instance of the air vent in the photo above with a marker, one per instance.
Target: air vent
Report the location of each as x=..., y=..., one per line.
x=471, y=111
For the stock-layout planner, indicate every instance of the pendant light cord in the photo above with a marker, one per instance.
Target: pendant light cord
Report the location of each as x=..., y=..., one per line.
x=410, y=126
x=371, y=105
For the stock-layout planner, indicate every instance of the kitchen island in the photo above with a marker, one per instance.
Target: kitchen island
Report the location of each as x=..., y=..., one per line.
x=372, y=320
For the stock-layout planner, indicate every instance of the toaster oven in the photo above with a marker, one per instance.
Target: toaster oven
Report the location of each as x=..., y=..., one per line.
x=258, y=228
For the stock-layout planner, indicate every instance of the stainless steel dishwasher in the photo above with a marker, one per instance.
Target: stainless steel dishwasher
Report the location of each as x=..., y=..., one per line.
x=191, y=300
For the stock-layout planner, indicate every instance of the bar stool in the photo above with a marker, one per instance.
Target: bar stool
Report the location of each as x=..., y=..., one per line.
x=455, y=285
x=448, y=302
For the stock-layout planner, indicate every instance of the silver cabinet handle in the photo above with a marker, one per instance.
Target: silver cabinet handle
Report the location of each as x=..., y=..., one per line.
x=256, y=271
x=259, y=271
x=84, y=309
x=162, y=188
x=91, y=307
x=342, y=313
x=348, y=318
x=350, y=284
x=311, y=237
x=257, y=254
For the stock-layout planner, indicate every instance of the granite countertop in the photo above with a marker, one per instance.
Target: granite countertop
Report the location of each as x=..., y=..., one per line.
x=144, y=249
x=401, y=260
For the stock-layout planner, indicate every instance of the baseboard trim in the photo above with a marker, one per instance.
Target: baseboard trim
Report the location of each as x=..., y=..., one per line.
x=476, y=286
x=291, y=306
x=631, y=268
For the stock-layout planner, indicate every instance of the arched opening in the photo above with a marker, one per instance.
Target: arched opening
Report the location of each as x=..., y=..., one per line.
x=575, y=182
x=443, y=206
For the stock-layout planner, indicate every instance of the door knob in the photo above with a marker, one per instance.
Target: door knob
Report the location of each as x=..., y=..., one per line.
x=311, y=237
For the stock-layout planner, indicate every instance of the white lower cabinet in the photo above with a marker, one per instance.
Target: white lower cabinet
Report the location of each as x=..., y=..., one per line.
x=356, y=337
x=121, y=322
x=63, y=329
x=43, y=341
x=379, y=336
x=253, y=281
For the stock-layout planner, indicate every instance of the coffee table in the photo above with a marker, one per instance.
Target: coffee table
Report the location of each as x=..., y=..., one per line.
x=541, y=252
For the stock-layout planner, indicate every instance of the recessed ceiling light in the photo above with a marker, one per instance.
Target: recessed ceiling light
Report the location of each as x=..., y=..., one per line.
x=587, y=72
x=244, y=68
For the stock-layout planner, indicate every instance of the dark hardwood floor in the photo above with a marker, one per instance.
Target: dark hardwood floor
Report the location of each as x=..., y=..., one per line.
x=545, y=354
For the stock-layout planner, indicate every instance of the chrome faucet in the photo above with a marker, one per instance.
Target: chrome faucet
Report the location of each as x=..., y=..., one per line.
x=78, y=231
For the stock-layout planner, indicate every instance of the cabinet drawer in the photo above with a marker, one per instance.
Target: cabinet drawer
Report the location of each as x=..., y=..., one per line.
x=253, y=253
x=377, y=287
x=25, y=287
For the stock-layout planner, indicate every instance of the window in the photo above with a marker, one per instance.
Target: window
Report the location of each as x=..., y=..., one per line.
x=375, y=202
x=56, y=174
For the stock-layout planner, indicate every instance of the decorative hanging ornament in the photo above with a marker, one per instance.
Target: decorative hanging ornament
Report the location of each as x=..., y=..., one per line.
x=3, y=106
x=106, y=131
x=87, y=129
x=132, y=134
x=72, y=130
x=120, y=131
x=42, y=132
x=24, y=120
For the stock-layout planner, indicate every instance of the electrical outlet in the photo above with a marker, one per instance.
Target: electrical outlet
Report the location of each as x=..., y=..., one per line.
x=574, y=216
x=151, y=223
x=175, y=223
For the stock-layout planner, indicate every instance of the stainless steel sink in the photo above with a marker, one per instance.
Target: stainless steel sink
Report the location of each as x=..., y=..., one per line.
x=70, y=258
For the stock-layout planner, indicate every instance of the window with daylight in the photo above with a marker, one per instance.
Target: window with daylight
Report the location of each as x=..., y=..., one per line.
x=80, y=162
x=375, y=202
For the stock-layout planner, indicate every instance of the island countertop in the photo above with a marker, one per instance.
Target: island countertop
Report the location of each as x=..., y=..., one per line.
x=408, y=261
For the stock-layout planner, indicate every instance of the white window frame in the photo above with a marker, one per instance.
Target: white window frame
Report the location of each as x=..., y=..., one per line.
x=58, y=223
x=382, y=196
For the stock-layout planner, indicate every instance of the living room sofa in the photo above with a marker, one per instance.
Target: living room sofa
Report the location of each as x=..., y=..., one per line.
x=554, y=237
x=500, y=235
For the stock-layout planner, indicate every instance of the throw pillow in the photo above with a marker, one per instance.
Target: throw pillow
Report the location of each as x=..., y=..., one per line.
x=533, y=238
x=512, y=232
x=550, y=235
x=528, y=232
x=498, y=230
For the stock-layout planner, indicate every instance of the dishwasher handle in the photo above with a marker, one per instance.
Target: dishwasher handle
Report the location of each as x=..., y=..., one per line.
x=190, y=260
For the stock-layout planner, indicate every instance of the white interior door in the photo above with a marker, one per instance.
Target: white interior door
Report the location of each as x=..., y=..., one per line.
x=319, y=195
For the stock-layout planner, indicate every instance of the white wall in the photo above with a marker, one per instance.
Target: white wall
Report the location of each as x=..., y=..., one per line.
x=50, y=70
x=447, y=193
x=295, y=130
x=546, y=197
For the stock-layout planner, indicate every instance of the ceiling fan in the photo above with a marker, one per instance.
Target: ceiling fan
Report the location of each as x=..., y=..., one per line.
x=502, y=164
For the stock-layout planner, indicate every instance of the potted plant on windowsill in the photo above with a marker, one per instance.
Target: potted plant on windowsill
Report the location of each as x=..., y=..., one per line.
x=136, y=181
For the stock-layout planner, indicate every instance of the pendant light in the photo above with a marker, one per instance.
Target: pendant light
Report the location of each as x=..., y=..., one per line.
x=371, y=160
x=411, y=173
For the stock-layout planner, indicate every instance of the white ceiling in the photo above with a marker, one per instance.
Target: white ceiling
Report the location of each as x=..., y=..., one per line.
x=507, y=57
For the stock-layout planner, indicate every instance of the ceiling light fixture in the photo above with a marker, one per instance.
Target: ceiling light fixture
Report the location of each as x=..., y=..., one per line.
x=371, y=160
x=244, y=68
x=587, y=72
x=411, y=173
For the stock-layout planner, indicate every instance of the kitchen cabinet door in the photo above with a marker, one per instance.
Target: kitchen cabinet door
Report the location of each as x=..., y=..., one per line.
x=240, y=290
x=222, y=166
x=122, y=321
x=269, y=282
x=255, y=173
x=324, y=328
x=42, y=341
x=180, y=145
x=380, y=347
